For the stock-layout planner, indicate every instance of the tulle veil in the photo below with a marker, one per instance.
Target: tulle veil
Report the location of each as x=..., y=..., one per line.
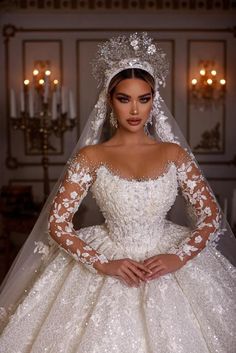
x=38, y=248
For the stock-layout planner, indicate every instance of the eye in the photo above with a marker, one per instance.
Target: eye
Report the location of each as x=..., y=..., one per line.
x=123, y=99
x=145, y=99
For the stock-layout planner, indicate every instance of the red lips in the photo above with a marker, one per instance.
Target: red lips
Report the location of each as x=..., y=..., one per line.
x=134, y=122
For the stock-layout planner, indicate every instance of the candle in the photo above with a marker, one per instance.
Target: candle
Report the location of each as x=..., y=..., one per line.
x=63, y=100
x=31, y=103
x=46, y=89
x=22, y=101
x=54, y=106
x=72, y=106
x=12, y=104
x=57, y=88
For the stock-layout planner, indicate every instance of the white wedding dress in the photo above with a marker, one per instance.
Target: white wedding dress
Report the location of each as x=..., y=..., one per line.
x=70, y=309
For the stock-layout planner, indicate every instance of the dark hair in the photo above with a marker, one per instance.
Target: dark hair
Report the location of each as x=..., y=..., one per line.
x=131, y=73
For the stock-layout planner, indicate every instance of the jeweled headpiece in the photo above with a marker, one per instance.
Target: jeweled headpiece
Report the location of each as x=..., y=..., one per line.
x=136, y=51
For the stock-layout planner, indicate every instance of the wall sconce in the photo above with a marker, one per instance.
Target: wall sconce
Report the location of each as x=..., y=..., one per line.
x=46, y=109
x=208, y=89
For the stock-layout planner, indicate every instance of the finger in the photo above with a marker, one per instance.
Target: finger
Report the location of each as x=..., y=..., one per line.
x=156, y=270
x=140, y=266
x=155, y=264
x=126, y=279
x=149, y=261
x=140, y=274
x=157, y=274
x=132, y=276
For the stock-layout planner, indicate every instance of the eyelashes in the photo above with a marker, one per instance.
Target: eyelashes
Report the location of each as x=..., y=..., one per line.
x=126, y=100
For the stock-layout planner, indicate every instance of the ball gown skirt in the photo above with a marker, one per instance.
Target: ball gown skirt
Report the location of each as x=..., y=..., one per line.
x=72, y=310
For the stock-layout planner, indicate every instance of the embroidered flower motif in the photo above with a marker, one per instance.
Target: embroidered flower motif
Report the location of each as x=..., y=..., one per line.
x=73, y=195
x=151, y=49
x=198, y=239
x=134, y=44
x=69, y=242
x=204, y=207
x=41, y=248
x=65, y=205
x=207, y=211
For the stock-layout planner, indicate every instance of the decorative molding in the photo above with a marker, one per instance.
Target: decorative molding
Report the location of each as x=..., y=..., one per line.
x=210, y=139
x=118, y=5
x=59, y=150
x=208, y=148
x=9, y=31
x=231, y=162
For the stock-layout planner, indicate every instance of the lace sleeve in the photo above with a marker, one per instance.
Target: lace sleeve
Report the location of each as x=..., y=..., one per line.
x=203, y=206
x=79, y=177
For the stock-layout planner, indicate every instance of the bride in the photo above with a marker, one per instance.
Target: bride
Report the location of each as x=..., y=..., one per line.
x=138, y=282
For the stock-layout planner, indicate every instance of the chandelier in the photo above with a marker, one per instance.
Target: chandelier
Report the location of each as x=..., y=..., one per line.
x=209, y=88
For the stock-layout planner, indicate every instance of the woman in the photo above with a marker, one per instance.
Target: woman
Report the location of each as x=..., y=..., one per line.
x=139, y=283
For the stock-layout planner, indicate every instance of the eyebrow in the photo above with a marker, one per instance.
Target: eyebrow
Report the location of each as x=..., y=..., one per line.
x=126, y=95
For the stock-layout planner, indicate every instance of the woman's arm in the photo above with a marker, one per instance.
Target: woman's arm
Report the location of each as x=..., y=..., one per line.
x=203, y=204
x=78, y=179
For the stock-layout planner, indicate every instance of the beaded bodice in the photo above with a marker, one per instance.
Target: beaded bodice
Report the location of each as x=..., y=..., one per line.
x=135, y=211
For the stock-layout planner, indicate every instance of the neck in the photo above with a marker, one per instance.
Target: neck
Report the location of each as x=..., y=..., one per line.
x=125, y=137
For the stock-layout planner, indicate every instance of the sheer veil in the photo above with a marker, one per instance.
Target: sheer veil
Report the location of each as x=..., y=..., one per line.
x=38, y=249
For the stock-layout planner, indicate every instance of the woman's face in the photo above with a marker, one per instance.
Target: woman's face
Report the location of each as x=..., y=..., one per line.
x=132, y=103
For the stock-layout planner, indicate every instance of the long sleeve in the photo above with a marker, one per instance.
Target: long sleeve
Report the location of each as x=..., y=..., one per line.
x=79, y=177
x=202, y=204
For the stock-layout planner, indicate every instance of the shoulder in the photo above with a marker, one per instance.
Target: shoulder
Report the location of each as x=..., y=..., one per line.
x=175, y=152
x=171, y=149
x=90, y=154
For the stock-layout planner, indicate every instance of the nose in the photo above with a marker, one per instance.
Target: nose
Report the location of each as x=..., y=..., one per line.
x=134, y=109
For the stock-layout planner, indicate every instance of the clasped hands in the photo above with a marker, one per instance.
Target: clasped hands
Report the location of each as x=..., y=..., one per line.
x=133, y=272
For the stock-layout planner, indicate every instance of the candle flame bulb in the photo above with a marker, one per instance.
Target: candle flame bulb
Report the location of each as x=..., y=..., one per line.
x=213, y=72
x=209, y=81
x=202, y=72
x=55, y=82
x=194, y=81
x=47, y=72
x=26, y=82
x=41, y=81
x=222, y=82
x=35, y=72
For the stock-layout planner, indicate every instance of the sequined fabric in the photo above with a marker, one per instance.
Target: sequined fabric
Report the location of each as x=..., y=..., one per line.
x=71, y=309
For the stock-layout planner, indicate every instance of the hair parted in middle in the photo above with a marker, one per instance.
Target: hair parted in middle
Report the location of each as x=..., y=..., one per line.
x=130, y=73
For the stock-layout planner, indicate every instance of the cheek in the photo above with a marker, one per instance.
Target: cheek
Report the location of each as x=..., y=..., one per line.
x=146, y=109
x=120, y=110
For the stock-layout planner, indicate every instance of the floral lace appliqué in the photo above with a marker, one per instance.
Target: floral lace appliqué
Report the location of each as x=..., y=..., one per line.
x=72, y=191
x=204, y=206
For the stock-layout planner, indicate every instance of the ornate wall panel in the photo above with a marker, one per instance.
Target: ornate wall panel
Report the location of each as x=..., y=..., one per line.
x=77, y=46
x=50, y=51
x=206, y=129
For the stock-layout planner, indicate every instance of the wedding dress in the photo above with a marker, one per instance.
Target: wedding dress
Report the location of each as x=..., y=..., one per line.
x=70, y=309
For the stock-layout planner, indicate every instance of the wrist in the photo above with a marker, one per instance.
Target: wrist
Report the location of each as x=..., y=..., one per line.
x=100, y=266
